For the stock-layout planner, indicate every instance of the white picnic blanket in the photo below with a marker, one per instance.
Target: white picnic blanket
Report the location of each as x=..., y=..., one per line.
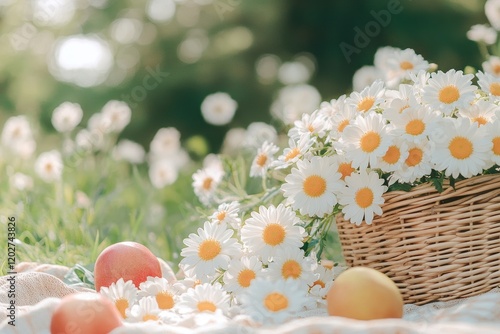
x=39, y=289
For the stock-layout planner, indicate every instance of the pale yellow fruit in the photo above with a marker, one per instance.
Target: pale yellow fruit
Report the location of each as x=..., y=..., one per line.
x=364, y=294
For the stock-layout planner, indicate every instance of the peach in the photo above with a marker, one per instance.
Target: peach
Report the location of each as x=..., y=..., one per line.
x=364, y=294
x=128, y=260
x=81, y=313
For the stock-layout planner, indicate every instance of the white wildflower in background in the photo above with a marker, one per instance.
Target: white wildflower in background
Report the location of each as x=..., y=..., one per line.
x=166, y=142
x=293, y=265
x=492, y=11
x=464, y=151
x=270, y=230
x=382, y=57
x=365, y=76
x=116, y=115
x=21, y=181
x=49, y=166
x=273, y=302
x=241, y=273
x=67, y=116
x=205, y=297
x=482, y=33
x=129, y=151
x=206, y=181
x=233, y=140
x=492, y=65
x=293, y=101
x=450, y=90
x=146, y=310
x=311, y=187
x=162, y=173
x=362, y=197
x=165, y=293
x=263, y=159
x=122, y=294
x=218, y=108
x=258, y=132
x=227, y=214
x=209, y=250
x=18, y=137
x=292, y=73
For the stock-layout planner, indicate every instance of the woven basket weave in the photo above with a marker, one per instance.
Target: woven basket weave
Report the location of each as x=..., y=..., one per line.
x=434, y=246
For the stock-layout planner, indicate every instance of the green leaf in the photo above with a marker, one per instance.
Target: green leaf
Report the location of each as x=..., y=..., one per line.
x=80, y=276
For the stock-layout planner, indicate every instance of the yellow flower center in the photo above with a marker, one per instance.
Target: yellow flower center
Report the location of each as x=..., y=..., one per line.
x=345, y=169
x=496, y=145
x=207, y=183
x=342, y=125
x=245, y=277
x=406, y=65
x=415, y=127
x=496, y=69
x=480, y=120
x=449, y=94
x=366, y=104
x=261, y=160
x=122, y=304
x=292, y=154
x=370, y=141
x=314, y=186
x=291, y=269
x=415, y=156
x=364, y=197
x=147, y=317
x=460, y=148
x=392, y=155
x=320, y=283
x=165, y=300
x=221, y=215
x=495, y=89
x=310, y=128
x=209, y=249
x=273, y=234
x=206, y=306
x=276, y=302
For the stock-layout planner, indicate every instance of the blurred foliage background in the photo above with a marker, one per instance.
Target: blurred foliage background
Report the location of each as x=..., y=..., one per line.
x=205, y=46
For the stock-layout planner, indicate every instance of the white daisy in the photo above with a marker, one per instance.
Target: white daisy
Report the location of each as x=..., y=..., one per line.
x=401, y=64
x=362, y=197
x=420, y=80
x=204, y=298
x=295, y=266
x=49, y=166
x=366, y=140
x=310, y=124
x=117, y=115
x=122, y=294
x=67, y=116
x=259, y=132
x=414, y=124
x=492, y=132
x=482, y=33
x=294, y=152
x=344, y=165
x=366, y=76
x=227, y=214
x=394, y=157
x=369, y=98
x=241, y=273
x=416, y=165
x=492, y=11
x=481, y=112
x=382, y=56
x=263, y=159
x=166, y=142
x=165, y=294
x=450, y=90
x=398, y=101
x=162, y=173
x=129, y=151
x=311, y=187
x=16, y=131
x=205, y=181
x=490, y=84
x=292, y=73
x=233, y=141
x=146, y=310
x=320, y=287
x=21, y=181
x=294, y=101
x=465, y=150
x=218, y=108
x=341, y=119
x=270, y=230
x=492, y=66
x=208, y=251
x=273, y=302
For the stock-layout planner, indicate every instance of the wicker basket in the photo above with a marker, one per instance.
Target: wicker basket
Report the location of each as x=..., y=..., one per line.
x=434, y=246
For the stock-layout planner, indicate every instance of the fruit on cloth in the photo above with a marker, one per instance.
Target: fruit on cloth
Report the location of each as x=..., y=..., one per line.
x=128, y=260
x=364, y=294
x=85, y=313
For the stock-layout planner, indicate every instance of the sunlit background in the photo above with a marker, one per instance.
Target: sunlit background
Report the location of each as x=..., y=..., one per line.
x=163, y=57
